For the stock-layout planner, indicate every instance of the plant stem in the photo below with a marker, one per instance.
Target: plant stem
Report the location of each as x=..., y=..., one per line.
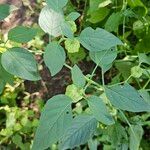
x=126, y=119
x=89, y=80
x=69, y=67
x=83, y=15
x=103, y=80
x=121, y=82
x=146, y=84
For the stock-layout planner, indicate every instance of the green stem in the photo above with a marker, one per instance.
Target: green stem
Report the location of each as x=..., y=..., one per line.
x=121, y=82
x=93, y=72
x=103, y=80
x=89, y=80
x=126, y=119
x=83, y=15
x=146, y=84
x=69, y=67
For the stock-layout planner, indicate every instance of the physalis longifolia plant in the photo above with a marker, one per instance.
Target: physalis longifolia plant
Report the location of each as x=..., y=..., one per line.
x=75, y=118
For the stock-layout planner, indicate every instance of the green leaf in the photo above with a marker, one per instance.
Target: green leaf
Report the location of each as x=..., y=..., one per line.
x=50, y=21
x=74, y=93
x=98, y=40
x=94, y=4
x=135, y=3
x=124, y=72
x=114, y=21
x=55, y=119
x=99, y=110
x=139, y=29
x=78, y=77
x=117, y=134
x=105, y=3
x=56, y=5
x=125, y=97
x=136, y=71
x=104, y=58
x=145, y=94
x=143, y=58
x=17, y=140
x=54, y=57
x=2, y=86
x=82, y=129
x=138, y=4
x=5, y=77
x=66, y=30
x=98, y=15
x=73, y=26
x=92, y=144
x=73, y=16
x=4, y=11
x=78, y=56
x=143, y=45
x=22, y=34
x=135, y=136
x=72, y=45
x=20, y=62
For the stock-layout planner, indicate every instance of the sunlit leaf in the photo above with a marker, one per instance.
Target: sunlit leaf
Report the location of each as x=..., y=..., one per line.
x=50, y=21
x=21, y=63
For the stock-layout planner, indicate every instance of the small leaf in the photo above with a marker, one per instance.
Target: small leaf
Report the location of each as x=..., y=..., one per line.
x=105, y=3
x=20, y=62
x=56, y=5
x=124, y=72
x=73, y=16
x=145, y=94
x=136, y=71
x=99, y=110
x=74, y=93
x=98, y=15
x=4, y=11
x=93, y=144
x=143, y=45
x=117, y=134
x=54, y=57
x=78, y=77
x=50, y=21
x=72, y=45
x=82, y=129
x=125, y=97
x=78, y=56
x=22, y=34
x=135, y=136
x=98, y=40
x=114, y=21
x=104, y=58
x=143, y=58
x=17, y=140
x=73, y=26
x=55, y=119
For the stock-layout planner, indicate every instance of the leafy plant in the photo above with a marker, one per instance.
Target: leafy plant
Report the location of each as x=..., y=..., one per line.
x=90, y=111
